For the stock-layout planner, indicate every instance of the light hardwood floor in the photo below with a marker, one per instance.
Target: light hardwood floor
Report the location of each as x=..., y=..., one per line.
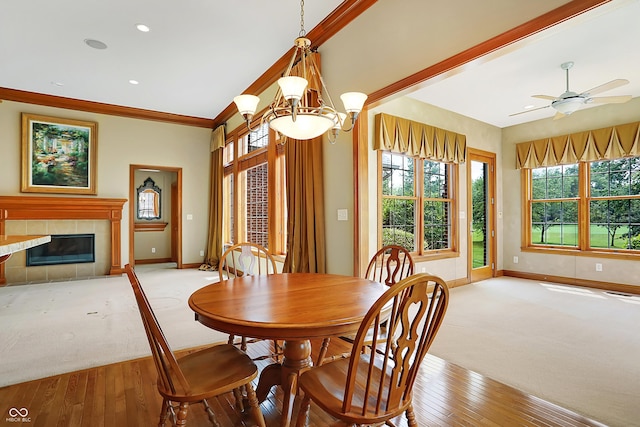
x=124, y=394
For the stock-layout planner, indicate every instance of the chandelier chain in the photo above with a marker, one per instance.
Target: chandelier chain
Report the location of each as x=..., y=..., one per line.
x=302, y=31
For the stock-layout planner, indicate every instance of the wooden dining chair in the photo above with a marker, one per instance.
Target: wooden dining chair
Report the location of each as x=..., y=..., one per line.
x=373, y=387
x=388, y=265
x=197, y=376
x=248, y=259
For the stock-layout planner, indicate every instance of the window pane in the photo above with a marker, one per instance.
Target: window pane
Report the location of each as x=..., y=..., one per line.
x=397, y=175
x=615, y=177
x=612, y=223
x=634, y=225
x=436, y=225
x=634, y=169
x=254, y=140
x=227, y=210
x=554, y=187
x=555, y=182
x=398, y=223
x=256, y=205
x=539, y=184
x=570, y=181
x=435, y=180
x=554, y=223
x=227, y=156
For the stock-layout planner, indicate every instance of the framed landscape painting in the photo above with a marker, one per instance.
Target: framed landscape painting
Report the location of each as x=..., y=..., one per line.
x=58, y=155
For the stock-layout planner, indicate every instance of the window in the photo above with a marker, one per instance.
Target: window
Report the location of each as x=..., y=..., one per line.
x=417, y=204
x=554, y=208
x=589, y=206
x=253, y=190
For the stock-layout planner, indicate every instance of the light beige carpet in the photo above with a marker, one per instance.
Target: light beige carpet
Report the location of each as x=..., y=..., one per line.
x=573, y=346
x=576, y=347
x=51, y=328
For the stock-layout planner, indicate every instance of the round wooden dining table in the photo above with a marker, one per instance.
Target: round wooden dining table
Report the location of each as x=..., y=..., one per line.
x=294, y=307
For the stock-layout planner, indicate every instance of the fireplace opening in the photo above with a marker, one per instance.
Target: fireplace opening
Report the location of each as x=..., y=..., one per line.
x=63, y=249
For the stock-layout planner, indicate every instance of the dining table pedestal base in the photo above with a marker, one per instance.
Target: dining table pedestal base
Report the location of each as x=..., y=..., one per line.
x=296, y=359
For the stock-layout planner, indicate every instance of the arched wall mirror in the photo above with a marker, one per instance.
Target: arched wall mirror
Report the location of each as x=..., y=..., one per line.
x=149, y=199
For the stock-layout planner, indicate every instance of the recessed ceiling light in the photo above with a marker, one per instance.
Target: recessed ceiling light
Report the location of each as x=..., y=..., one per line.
x=57, y=84
x=133, y=82
x=96, y=44
x=528, y=107
x=143, y=28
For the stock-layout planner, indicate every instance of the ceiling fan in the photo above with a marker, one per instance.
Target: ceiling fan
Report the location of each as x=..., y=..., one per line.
x=569, y=101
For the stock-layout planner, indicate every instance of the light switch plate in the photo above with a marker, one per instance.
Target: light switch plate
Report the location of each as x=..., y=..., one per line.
x=343, y=215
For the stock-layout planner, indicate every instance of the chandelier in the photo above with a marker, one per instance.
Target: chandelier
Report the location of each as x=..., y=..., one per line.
x=299, y=111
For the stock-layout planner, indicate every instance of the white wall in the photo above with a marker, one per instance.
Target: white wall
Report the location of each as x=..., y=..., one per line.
x=121, y=142
x=578, y=267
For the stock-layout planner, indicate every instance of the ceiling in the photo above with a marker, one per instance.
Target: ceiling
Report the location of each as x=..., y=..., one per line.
x=602, y=43
x=197, y=56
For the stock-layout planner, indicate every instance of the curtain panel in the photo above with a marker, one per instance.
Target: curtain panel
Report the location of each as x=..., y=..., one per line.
x=306, y=246
x=214, y=239
x=418, y=139
x=609, y=143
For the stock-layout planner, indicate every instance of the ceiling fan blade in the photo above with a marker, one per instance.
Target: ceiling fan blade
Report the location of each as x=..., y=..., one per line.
x=604, y=87
x=547, y=97
x=529, y=110
x=558, y=115
x=610, y=99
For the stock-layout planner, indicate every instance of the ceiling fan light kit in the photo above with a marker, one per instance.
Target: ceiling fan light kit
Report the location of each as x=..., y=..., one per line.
x=295, y=112
x=569, y=102
x=567, y=105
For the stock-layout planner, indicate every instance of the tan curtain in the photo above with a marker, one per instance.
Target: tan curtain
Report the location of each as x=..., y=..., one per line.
x=214, y=241
x=305, y=207
x=418, y=139
x=608, y=143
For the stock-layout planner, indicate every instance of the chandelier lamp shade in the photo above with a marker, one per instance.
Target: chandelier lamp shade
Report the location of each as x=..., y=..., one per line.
x=300, y=110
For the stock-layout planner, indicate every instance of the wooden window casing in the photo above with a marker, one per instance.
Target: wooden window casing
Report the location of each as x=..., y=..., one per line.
x=584, y=200
x=242, y=159
x=419, y=198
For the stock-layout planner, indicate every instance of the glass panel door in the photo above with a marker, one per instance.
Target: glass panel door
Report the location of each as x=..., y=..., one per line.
x=479, y=228
x=481, y=190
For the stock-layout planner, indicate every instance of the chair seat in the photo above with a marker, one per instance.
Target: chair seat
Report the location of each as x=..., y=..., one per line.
x=238, y=370
x=325, y=386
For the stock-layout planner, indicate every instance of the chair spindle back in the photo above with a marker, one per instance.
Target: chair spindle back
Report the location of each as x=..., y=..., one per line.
x=390, y=264
x=248, y=259
x=418, y=305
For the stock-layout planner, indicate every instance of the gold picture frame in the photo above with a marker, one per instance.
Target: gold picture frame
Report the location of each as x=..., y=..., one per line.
x=58, y=155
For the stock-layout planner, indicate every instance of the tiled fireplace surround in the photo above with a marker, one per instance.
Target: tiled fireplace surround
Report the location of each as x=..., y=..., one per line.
x=62, y=215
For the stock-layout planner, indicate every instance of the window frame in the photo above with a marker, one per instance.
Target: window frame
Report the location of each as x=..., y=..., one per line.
x=584, y=199
x=420, y=254
x=235, y=164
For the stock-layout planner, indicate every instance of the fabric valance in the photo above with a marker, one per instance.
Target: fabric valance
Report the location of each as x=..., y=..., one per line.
x=418, y=139
x=601, y=144
x=217, y=138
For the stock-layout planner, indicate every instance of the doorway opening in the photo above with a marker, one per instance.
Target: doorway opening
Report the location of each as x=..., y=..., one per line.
x=155, y=239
